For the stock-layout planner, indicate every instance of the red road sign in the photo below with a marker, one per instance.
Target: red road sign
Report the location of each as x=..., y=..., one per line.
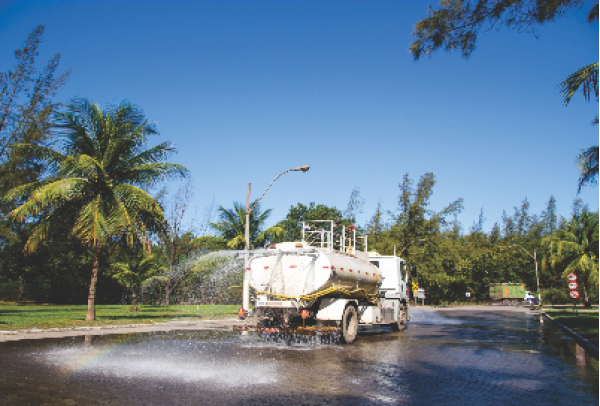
x=574, y=294
x=573, y=285
x=572, y=277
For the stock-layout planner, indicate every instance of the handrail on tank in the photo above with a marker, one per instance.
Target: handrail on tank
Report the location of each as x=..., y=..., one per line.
x=319, y=236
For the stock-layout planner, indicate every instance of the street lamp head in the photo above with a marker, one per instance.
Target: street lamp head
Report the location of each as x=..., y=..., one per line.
x=302, y=168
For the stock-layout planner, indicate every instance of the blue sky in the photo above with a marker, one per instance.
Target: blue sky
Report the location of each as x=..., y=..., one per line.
x=248, y=89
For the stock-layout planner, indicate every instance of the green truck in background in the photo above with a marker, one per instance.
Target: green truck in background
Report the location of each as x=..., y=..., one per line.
x=510, y=293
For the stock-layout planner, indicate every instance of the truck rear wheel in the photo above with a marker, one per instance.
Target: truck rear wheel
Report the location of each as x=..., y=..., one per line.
x=349, y=324
x=401, y=320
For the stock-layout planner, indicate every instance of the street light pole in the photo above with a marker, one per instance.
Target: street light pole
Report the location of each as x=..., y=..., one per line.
x=534, y=256
x=245, y=281
x=245, y=285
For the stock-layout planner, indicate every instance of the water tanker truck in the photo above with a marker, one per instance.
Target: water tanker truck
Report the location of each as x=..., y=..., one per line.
x=324, y=285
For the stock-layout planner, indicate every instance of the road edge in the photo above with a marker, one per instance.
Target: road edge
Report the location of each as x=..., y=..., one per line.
x=584, y=343
x=60, y=332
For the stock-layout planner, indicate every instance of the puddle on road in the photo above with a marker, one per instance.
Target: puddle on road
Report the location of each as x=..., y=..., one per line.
x=429, y=317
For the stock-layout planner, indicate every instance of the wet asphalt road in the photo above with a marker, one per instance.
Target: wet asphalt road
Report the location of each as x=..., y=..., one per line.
x=460, y=357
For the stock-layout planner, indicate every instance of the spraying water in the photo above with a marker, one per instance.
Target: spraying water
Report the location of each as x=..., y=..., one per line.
x=202, y=278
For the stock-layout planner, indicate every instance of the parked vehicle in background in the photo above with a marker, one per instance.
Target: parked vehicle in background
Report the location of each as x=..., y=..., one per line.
x=530, y=299
x=508, y=293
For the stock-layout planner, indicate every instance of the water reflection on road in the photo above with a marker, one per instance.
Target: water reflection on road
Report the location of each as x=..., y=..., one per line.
x=446, y=358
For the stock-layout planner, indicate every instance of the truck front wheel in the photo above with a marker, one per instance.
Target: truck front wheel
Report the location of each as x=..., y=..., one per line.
x=349, y=324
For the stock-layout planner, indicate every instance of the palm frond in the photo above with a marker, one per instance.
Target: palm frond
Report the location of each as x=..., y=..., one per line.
x=91, y=225
x=151, y=173
x=48, y=196
x=237, y=242
x=585, y=78
x=25, y=190
x=588, y=167
x=135, y=212
x=40, y=153
x=268, y=233
x=79, y=125
x=38, y=234
x=154, y=154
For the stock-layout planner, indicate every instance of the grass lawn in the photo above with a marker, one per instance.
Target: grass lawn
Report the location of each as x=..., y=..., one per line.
x=583, y=323
x=17, y=317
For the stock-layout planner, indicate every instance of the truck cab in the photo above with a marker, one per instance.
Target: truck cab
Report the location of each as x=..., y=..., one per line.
x=391, y=267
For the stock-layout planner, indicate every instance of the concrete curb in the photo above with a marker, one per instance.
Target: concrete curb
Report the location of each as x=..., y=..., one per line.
x=215, y=324
x=585, y=344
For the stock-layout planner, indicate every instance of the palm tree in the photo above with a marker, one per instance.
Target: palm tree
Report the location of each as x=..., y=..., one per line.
x=232, y=223
x=137, y=267
x=95, y=181
x=587, y=161
x=576, y=248
x=585, y=79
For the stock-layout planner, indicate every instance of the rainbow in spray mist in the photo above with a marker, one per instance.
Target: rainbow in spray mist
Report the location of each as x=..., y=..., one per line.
x=165, y=357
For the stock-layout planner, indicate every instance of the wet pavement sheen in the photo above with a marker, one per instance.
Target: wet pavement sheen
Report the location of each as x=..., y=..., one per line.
x=463, y=357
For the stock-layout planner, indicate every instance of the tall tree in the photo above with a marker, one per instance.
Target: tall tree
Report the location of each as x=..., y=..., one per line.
x=26, y=106
x=549, y=218
x=477, y=228
x=414, y=220
x=292, y=227
x=175, y=209
x=415, y=223
x=355, y=205
x=231, y=226
x=94, y=186
x=456, y=24
x=376, y=228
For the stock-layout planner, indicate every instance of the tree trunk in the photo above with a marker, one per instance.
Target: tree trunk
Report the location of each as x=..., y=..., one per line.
x=147, y=243
x=20, y=293
x=585, y=296
x=134, y=300
x=167, y=293
x=91, y=314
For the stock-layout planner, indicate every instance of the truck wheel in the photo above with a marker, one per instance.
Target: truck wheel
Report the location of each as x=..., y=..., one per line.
x=255, y=318
x=349, y=324
x=400, y=323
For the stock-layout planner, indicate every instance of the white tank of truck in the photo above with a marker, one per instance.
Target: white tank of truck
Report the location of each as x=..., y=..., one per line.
x=298, y=270
x=310, y=286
